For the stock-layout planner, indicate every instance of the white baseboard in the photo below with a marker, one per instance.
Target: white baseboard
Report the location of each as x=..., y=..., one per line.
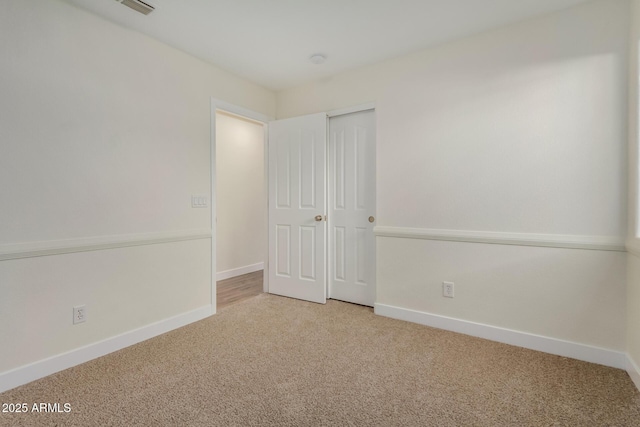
x=633, y=371
x=51, y=365
x=227, y=274
x=507, y=336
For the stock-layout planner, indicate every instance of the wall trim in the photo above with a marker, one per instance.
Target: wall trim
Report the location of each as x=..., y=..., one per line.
x=227, y=274
x=84, y=244
x=634, y=371
x=51, y=365
x=602, y=243
x=218, y=104
x=507, y=336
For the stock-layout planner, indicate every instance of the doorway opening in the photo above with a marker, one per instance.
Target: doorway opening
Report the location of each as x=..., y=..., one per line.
x=240, y=208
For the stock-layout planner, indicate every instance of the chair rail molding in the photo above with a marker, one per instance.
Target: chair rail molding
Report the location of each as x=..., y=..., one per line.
x=84, y=244
x=602, y=243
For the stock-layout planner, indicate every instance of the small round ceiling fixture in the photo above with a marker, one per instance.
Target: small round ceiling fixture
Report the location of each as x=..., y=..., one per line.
x=317, y=58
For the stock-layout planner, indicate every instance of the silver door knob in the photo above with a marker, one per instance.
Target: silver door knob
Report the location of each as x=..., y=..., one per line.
x=371, y=219
x=318, y=217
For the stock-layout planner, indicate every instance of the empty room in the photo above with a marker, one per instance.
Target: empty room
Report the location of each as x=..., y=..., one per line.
x=295, y=213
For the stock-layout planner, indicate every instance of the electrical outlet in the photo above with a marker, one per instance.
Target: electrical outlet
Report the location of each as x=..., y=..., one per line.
x=447, y=289
x=79, y=314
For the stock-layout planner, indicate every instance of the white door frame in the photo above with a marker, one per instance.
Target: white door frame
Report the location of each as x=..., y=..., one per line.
x=218, y=105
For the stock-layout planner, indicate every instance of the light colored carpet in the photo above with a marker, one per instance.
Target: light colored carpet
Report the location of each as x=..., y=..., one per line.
x=276, y=361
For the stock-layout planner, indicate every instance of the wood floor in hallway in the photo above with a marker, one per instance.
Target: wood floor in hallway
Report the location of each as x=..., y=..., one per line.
x=238, y=288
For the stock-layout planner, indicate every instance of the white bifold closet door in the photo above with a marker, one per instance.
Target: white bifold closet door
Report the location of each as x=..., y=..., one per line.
x=297, y=207
x=352, y=201
x=306, y=186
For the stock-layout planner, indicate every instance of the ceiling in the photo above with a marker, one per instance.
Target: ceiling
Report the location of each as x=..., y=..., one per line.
x=270, y=41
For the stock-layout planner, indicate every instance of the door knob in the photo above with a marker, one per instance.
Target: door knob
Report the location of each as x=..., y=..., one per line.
x=371, y=219
x=318, y=217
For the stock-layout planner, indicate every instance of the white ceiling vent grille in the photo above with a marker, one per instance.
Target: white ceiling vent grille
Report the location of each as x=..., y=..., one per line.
x=138, y=6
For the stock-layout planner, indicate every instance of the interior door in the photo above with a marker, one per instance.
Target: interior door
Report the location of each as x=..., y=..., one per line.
x=352, y=178
x=297, y=207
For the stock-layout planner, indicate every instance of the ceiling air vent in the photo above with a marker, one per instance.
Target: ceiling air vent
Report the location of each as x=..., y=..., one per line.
x=138, y=6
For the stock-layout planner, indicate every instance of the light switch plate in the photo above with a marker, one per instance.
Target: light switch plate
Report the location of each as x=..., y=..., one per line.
x=199, y=201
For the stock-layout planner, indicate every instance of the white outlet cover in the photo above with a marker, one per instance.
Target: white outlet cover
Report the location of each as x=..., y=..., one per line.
x=448, y=289
x=79, y=314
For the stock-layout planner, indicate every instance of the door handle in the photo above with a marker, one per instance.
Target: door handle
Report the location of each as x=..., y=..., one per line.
x=318, y=217
x=371, y=219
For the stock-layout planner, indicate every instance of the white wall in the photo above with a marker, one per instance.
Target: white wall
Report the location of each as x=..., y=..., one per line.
x=567, y=294
x=104, y=132
x=517, y=130
x=240, y=193
x=633, y=243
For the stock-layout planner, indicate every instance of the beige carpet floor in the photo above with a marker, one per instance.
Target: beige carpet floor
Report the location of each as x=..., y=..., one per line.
x=276, y=361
